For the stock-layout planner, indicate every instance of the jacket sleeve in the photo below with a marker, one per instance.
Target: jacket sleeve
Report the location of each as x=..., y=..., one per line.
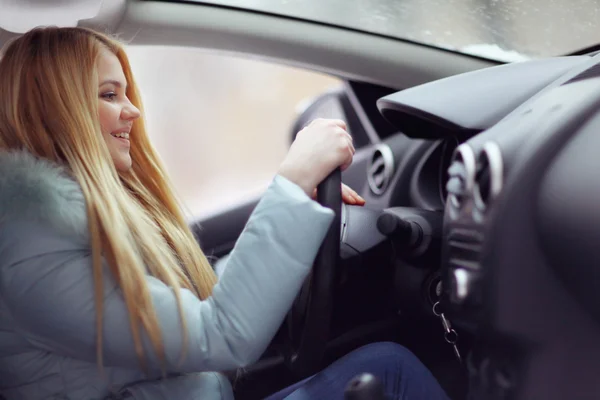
x=47, y=285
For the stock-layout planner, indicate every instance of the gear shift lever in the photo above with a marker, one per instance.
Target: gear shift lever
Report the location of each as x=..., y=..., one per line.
x=364, y=387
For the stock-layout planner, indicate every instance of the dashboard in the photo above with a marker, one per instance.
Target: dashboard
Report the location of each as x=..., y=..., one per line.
x=507, y=172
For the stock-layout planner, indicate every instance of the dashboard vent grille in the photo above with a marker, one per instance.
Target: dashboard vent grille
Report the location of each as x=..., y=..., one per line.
x=489, y=175
x=461, y=176
x=380, y=169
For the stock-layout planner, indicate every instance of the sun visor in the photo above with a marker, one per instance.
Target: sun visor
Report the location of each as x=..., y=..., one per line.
x=23, y=15
x=465, y=104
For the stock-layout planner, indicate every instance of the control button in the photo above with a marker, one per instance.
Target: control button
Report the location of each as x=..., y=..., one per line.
x=462, y=278
x=462, y=286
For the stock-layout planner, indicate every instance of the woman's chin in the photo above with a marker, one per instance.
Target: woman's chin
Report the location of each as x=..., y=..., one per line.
x=123, y=163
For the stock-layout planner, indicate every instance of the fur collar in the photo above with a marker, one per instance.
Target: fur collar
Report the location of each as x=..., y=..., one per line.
x=41, y=191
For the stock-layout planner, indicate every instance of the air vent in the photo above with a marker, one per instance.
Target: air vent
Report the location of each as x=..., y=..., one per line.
x=461, y=176
x=380, y=169
x=489, y=176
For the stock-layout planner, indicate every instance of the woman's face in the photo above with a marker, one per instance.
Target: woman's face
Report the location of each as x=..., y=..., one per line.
x=116, y=111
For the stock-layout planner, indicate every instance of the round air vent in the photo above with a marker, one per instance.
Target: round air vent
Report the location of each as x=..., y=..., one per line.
x=461, y=176
x=380, y=169
x=489, y=175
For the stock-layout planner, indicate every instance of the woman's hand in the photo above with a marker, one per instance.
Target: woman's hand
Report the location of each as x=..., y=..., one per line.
x=319, y=148
x=349, y=196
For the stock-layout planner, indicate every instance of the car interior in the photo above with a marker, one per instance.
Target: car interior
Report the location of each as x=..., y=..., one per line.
x=478, y=248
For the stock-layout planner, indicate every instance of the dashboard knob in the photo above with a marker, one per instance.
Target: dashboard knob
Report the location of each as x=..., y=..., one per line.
x=392, y=225
x=403, y=230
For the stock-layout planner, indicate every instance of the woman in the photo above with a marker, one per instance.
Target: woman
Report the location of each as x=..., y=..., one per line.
x=104, y=290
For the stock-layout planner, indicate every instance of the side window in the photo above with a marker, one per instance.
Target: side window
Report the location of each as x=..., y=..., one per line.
x=221, y=123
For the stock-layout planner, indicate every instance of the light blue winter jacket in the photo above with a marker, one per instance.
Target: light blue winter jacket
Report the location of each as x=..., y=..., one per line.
x=47, y=314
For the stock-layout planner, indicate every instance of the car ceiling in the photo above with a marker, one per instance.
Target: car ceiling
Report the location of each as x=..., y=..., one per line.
x=338, y=51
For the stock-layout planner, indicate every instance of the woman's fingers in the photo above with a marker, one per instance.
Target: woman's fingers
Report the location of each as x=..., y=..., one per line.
x=349, y=196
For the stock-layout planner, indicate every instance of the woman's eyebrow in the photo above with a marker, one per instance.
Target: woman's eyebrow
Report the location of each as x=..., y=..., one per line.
x=113, y=82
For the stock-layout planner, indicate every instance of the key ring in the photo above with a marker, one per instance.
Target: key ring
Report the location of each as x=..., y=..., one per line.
x=451, y=336
x=435, y=309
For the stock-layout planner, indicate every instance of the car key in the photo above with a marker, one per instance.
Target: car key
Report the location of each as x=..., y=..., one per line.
x=450, y=334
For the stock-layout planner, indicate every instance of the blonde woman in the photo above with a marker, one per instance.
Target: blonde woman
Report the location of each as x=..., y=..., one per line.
x=104, y=291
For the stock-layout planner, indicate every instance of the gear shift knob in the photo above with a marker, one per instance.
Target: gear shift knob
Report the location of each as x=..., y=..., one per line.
x=364, y=387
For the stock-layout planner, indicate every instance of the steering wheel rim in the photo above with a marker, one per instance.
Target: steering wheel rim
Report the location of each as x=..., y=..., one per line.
x=306, y=351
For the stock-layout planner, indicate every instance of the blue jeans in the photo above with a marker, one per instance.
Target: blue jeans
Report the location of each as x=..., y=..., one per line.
x=402, y=374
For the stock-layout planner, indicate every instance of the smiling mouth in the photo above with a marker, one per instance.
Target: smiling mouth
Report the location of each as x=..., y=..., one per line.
x=121, y=135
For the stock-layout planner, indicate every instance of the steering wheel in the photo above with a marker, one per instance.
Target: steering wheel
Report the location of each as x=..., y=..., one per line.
x=309, y=320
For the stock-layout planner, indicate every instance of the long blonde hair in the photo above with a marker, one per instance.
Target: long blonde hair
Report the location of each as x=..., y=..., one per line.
x=49, y=107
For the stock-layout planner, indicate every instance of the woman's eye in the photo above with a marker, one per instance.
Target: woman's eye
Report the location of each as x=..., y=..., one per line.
x=109, y=96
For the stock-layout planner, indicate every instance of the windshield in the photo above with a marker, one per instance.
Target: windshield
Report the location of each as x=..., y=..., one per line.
x=505, y=30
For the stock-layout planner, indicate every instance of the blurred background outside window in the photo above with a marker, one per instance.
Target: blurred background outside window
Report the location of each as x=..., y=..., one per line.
x=221, y=123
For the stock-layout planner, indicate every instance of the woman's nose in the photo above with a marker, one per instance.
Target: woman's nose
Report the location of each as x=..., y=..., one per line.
x=130, y=112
